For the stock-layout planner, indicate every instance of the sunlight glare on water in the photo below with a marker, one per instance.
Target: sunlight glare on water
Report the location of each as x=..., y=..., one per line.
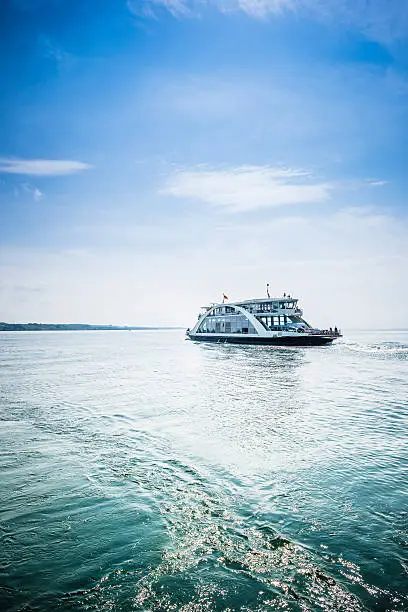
x=144, y=472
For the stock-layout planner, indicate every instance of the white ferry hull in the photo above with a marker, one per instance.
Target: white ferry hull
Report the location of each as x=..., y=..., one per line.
x=295, y=340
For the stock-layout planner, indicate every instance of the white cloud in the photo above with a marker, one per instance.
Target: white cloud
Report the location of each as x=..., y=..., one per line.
x=37, y=194
x=146, y=8
x=189, y=8
x=248, y=187
x=347, y=267
x=257, y=8
x=378, y=183
x=34, y=191
x=379, y=19
x=41, y=167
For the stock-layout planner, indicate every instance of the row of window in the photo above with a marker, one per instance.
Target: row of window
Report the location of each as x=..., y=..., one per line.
x=274, y=321
x=262, y=307
x=235, y=325
x=269, y=306
x=279, y=321
x=222, y=310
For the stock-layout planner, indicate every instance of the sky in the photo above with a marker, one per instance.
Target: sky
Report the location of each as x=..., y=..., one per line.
x=155, y=154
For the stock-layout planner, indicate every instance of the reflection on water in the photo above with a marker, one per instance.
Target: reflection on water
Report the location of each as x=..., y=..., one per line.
x=142, y=472
x=251, y=396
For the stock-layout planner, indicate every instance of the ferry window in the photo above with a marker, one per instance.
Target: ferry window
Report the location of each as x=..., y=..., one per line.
x=228, y=327
x=276, y=320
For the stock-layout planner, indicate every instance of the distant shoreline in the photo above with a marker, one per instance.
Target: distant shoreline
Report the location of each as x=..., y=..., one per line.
x=75, y=327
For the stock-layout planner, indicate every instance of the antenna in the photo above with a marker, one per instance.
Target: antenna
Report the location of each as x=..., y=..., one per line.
x=267, y=290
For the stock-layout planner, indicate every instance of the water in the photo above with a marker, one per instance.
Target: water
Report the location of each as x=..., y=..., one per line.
x=140, y=471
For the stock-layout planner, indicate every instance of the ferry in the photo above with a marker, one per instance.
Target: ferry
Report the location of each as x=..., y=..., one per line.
x=270, y=321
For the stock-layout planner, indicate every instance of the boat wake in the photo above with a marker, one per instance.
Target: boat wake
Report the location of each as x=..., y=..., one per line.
x=385, y=350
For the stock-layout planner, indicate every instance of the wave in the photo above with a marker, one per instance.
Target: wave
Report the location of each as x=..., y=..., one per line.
x=381, y=349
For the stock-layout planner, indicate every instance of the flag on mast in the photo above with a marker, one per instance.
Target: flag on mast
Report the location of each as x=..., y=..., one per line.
x=224, y=297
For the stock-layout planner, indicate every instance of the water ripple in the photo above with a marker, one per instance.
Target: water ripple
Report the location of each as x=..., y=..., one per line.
x=142, y=472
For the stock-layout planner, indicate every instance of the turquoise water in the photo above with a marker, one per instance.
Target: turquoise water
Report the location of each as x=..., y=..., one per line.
x=140, y=471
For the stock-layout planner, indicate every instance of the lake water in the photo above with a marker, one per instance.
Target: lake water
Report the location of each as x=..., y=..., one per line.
x=140, y=471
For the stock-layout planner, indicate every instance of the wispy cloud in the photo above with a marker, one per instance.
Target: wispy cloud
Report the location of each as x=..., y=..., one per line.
x=248, y=187
x=41, y=167
x=34, y=191
x=376, y=183
x=54, y=52
x=359, y=255
x=378, y=19
x=190, y=8
x=148, y=8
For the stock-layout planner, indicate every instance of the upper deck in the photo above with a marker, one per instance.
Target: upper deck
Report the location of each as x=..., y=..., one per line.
x=283, y=305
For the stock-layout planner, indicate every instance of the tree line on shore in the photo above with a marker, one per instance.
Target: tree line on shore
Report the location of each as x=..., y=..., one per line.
x=68, y=327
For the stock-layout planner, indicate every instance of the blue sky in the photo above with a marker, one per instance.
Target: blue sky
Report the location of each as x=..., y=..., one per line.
x=156, y=154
